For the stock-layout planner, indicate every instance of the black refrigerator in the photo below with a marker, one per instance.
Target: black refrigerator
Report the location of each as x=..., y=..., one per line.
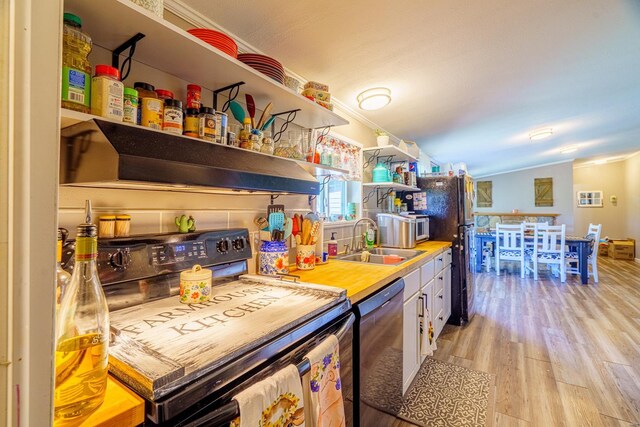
x=450, y=211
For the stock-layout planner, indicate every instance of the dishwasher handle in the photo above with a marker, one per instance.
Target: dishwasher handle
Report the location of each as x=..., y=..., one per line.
x=380, y=298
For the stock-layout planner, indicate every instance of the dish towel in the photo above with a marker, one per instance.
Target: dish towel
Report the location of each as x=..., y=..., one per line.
x=324, y=406
x=276, y=401
x=427, y=342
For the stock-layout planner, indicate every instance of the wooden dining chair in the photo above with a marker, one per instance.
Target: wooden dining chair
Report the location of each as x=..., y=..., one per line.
x=510, y=245
x=573, y=263
x=548, y=248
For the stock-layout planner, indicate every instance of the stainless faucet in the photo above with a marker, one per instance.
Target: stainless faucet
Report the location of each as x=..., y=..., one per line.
x=353, y=235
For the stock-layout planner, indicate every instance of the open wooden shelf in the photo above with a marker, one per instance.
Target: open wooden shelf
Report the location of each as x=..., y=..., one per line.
x=389, y=150
x=171, y=49
x=390, y=185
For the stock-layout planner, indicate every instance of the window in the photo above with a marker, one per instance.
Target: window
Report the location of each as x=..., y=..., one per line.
x=590, y=199
x=332, y=201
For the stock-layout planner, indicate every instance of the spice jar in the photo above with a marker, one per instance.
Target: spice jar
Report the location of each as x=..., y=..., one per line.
x=256, y=145
x=221, y=128
x=145, y=90
x=107, y=93
x=151, y=113
x=164, y=94
x=267, y=143
x=191, y=122
x=232, y=135
x=207, y=124
x=274, y=258
x=107, y=226
x=194, y=93
x=195, y=285
x=130, y=107
x=172, y=118
x=245, y=134
x=123, y=225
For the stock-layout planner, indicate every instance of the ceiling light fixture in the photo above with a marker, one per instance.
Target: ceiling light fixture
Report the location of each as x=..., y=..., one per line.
x=374, y=98
x=540, y=134
x=568, y=150
x=600, y=162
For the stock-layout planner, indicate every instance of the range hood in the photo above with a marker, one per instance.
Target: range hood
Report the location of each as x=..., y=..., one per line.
x=101, y=153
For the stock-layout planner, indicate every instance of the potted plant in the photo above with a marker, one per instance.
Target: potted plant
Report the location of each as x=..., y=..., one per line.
x=382, y=138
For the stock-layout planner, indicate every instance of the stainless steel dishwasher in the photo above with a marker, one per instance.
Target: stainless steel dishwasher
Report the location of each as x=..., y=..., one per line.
x=378, y=346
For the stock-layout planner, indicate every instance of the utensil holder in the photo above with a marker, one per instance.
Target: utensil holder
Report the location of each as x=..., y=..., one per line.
x=274, y=258
x=306, y=257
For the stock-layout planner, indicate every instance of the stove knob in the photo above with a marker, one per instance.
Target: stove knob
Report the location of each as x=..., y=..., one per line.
x=223, y=246
x=120, y=260
x=238, y=244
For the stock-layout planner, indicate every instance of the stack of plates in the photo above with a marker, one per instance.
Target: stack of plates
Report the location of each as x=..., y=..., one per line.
x=266, y=65
x=216, y=39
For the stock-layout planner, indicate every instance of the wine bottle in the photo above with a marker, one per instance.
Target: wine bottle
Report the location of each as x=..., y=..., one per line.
x=82, y=335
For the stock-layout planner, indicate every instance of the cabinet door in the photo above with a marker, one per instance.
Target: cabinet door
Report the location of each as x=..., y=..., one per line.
x=446, y=309
x=411, y=284
x=439, y=262
x=448, y=257
x=427, y=272
x=410, y=348
x=427, y=296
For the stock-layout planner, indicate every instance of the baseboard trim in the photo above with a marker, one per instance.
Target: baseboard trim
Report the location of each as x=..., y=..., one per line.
x=637, y=260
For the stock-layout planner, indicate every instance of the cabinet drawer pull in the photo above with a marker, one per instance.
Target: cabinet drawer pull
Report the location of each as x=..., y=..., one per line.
x=421, y=306
x=441, y=318
x=440, y=277
x=440, y=296
x=439, y=259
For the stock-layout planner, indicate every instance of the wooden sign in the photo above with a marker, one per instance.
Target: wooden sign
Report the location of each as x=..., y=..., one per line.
x=485, y=194
x=165, y=344
x=543, y=188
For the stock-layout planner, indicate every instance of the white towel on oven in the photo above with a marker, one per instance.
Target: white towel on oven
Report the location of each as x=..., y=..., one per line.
x=279, y=395
x=324, y=406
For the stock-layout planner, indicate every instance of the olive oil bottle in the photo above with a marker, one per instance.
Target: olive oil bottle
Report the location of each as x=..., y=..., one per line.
x=82, y=335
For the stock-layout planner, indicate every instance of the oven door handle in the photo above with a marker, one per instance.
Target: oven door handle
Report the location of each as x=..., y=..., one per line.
x=340, y=333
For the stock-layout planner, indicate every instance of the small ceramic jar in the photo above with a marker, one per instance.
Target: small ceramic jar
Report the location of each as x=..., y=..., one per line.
x=306, y=257
x=195, y=285
x=274, y=258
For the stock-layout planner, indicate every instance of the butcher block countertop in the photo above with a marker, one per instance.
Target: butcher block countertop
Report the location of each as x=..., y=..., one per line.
x=121, y=408
x=361, y=279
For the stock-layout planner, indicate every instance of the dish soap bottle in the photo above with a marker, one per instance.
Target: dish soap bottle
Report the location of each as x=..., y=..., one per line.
x=82, y=334
x=369, y=238
x=332, y=246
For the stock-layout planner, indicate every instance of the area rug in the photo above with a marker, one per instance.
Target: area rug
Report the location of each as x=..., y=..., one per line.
x=441, y=395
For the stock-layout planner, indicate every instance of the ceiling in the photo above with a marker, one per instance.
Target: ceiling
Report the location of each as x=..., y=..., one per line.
x=469, y=80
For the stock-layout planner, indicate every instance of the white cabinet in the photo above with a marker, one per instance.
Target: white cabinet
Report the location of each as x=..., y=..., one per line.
x=426, y=293
x=410, y=340
x=447, y=292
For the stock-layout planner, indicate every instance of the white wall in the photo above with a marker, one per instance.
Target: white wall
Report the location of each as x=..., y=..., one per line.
x=514, y=190
x=632, y=199
x=610, y=178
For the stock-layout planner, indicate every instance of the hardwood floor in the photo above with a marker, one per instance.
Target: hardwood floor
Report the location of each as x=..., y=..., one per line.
x=563, y=354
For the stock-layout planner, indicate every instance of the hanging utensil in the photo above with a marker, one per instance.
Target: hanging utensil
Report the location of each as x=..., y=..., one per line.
x=264, y=115
x=262, y=223
x=268, y=123
x=237, y=111
x=251, y=108
x=288, y=228
x=276, y=221
x=274, y=208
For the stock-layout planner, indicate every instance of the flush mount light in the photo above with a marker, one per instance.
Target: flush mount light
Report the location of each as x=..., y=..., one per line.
x=540, y=134
x=568, y=150
x=374, y=98
x=600, y=162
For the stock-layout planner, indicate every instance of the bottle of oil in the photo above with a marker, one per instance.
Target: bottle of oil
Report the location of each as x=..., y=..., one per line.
x=82, y=335
x=62, y=277
x=76, y=69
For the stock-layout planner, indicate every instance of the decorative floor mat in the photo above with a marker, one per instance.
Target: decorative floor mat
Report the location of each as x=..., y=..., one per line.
x=441, y=395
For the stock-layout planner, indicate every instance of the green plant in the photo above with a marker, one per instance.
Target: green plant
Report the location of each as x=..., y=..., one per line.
x=380, y=132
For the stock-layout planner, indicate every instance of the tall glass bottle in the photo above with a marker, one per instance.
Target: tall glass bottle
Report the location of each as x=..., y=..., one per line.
x=82, y=335
x=62, y=277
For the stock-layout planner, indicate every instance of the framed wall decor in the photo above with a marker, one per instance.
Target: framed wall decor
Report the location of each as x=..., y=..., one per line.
x=543, y=190
x=485, y=194
x=590, y=199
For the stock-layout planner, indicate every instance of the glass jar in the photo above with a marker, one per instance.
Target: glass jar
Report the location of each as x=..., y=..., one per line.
x=245, y=134
x=191, y=122
x=325, y=155
x=172, y=118
x=274, y=258
x=145, y=90
x=267, y=144
x=194, y=93
x=207, y=124
x=282, y=148
x=255, y=142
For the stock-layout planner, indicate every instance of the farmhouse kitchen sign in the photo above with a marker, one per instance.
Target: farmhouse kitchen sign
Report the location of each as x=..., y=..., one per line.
x=164, y=344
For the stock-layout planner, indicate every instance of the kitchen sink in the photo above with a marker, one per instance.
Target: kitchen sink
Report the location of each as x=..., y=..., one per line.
x=378, y=256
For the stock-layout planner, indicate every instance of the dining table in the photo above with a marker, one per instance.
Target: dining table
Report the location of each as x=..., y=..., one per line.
x=581, y=245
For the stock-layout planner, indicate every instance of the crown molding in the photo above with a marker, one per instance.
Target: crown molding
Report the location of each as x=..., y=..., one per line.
x=523, y=169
